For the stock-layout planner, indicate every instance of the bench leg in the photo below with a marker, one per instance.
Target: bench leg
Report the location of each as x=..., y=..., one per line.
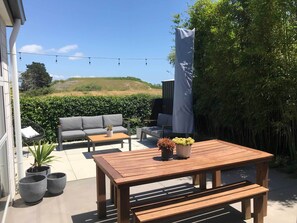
x=246, y=208
x=259, y=203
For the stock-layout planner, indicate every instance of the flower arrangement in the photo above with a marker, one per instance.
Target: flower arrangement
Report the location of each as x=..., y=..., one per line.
x=166, y=143
x=183, y=141
x=109, y=128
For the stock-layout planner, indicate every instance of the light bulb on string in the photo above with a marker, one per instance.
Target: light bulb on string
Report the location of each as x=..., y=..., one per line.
x=20, y=53
x=56, y=59
x=119, y=61
x=145, y=61
x=89, y=60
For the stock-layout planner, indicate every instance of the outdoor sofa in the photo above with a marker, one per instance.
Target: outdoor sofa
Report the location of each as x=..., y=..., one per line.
x=162, y=129
x=78, y=127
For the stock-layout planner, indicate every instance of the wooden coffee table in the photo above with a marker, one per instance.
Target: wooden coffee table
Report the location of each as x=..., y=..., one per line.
x=104, y=138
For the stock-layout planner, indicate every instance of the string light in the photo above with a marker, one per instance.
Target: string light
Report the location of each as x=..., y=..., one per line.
x=89, y=58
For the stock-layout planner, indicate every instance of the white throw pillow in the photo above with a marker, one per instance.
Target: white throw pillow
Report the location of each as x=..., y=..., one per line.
x=29, y=132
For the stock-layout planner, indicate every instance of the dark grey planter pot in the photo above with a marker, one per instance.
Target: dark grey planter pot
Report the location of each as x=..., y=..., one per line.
x=56, y=183
x=44, y=170
x=33, y=188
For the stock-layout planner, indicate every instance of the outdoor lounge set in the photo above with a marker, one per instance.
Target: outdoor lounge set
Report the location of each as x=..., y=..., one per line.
x=162, y=129
x=79, y=127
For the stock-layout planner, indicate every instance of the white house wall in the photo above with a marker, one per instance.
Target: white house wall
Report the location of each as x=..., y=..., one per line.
x=4, y=81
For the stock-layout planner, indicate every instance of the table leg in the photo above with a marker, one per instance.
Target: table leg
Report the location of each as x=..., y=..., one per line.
x=262, y=179
x=122, y=144
x=216, y=178
x=101, y=193
x=129, y=143
x=202, y=179
x=88, y=145
x=93, y=147
x=196, y=180
x=123, y=204
x=111, y=192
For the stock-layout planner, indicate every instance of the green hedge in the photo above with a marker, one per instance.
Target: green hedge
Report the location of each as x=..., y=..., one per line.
x=46, y=111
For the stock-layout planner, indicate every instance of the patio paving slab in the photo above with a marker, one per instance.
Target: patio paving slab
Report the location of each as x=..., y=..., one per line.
x=78, y=202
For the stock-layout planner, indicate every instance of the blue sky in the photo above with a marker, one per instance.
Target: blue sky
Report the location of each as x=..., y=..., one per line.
x=100, y=28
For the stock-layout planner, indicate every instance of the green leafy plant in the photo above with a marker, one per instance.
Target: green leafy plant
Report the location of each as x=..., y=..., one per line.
x=42, y=154
x=183, y=141
x=165, y=143
x=109, y=128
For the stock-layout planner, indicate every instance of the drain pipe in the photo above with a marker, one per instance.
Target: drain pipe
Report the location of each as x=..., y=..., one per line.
x=16, y=97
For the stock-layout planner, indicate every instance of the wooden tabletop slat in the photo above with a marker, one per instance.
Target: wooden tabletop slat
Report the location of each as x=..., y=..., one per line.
x=144, y=165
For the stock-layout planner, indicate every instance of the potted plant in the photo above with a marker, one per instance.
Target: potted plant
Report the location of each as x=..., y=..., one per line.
x=166, y=146
x=109, y=130
x=183, y=146
x=42, y=158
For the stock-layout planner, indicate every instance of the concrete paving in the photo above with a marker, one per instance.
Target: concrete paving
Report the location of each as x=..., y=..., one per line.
x=78, y=202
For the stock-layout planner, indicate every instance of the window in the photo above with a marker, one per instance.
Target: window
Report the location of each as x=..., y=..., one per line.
x=2, y=113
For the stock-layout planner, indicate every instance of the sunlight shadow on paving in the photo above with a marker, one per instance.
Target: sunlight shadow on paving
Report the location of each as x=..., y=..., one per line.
x=88, y=155
x=227, y=214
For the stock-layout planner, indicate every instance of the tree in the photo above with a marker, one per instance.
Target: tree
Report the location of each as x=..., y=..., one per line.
x=35, y=77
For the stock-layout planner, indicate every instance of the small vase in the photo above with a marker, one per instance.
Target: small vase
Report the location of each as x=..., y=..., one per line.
x=109, y=133
x=166, y=154
x=183, y=151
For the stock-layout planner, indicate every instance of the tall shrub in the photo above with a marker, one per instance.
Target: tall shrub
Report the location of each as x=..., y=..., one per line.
x=245, y=85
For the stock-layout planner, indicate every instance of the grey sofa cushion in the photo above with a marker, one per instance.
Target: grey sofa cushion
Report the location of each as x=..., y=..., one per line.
x=164, y=119
x=73, y=134
x=95, y=131
x=116, y=129
x=153, y=130
x=114, y=120
x=92, y=122
x=71, y=123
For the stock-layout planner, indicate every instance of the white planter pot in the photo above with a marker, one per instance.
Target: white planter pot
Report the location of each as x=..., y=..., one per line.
x=183, y=151
x=109, y=133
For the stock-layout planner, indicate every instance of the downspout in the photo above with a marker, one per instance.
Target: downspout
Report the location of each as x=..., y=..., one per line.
x=16, y=97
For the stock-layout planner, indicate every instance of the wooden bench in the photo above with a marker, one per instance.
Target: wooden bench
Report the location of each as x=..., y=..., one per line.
x=205, y=200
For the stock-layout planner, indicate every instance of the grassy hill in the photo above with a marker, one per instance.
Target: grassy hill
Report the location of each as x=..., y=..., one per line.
x=104, y=86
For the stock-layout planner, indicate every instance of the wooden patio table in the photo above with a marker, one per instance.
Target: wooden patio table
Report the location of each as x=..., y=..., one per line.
x=133, y=168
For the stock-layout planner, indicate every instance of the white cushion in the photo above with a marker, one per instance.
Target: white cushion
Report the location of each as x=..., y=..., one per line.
x=29, y=132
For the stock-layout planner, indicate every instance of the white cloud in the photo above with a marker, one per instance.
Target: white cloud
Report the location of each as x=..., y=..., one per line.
x=57, y=77
x=67, y=48
x=32, y=48
x=76, y=56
